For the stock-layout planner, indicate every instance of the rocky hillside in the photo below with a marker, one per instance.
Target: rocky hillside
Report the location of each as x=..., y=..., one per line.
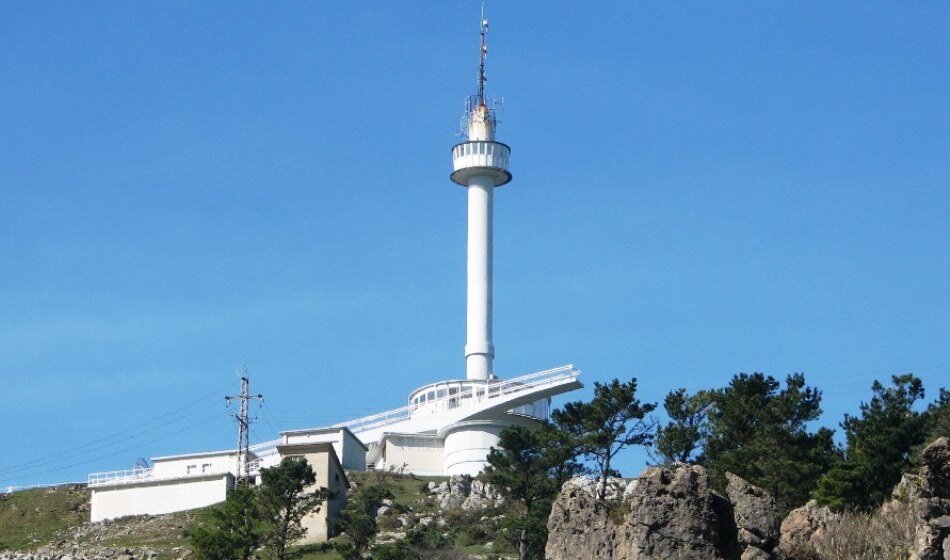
x=914, y=524
x=669, y=513
x=666, y=513
x=53, y=523
x=672, y=513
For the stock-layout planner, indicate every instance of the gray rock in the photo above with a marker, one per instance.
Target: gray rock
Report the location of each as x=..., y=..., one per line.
x=803, y=527
x=935, y=472
x=672, y=515
x=754, y=553
x=754, y=512
x=932, y=503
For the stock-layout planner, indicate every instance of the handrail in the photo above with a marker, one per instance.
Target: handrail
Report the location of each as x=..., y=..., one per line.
x=489, y=390
x=265, y=445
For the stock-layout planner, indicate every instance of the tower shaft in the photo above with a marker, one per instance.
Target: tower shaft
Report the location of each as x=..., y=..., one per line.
x=479, y=350
x=480, y=164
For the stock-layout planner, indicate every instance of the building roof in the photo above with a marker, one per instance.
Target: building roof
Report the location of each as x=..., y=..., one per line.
x=326, y=430
x=199, y=454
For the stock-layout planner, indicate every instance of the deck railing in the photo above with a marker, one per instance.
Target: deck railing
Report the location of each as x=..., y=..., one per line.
x=479, y=393
x=109, y=478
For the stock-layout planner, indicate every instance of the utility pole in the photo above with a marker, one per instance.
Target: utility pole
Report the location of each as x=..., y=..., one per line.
x=244, y=426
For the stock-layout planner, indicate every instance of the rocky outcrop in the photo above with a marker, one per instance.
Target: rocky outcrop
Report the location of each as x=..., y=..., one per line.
x=804, y=528
x=668, y=513
x=107, y=553
x=753, y=510
x=158, y=536
x=461, y=491
x=930, y=498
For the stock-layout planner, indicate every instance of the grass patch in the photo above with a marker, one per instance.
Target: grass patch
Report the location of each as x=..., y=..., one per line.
x=409, y=490
x=31, y=518
x=320, y=551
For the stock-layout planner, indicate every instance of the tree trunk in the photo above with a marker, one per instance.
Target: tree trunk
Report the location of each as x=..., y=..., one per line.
x=523, y=544
x=603, y=479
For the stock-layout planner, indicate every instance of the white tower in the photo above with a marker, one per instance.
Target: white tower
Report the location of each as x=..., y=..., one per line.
x=449, y=427
x=480, y=164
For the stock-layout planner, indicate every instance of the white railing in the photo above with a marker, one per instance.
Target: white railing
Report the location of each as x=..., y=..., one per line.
x=265, y=447
x=109, y=478
x=477, y=395
x=375, y=421
x=114, y=478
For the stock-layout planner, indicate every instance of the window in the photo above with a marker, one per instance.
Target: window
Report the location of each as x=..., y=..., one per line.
x=190, y=469
x=206, y=467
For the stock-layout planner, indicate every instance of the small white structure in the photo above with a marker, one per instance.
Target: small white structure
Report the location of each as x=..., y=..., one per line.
x=349, y=449
x=173, y=483
x=182, y=482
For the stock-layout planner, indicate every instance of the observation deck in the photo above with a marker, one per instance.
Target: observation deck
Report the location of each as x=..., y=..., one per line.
x=436, y=406
x=480, y=157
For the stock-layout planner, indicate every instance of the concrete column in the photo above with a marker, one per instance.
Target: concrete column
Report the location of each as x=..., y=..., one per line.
x=478, y=345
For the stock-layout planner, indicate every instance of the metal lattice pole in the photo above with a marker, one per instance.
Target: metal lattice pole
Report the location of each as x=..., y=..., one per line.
x=244, y=426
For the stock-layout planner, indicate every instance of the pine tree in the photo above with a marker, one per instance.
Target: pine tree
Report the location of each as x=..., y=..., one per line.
x=880, y=443
x=686, y=432
x=612, y=420
x=232, y=531
x=758, y=431
x=286, y=497
x=528, y=469
x=939, y=415
x=358, y=519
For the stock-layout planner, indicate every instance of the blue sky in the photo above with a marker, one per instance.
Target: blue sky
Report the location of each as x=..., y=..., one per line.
x=699, y=190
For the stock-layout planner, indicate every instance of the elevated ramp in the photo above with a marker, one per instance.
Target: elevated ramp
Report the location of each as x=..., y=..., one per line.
x=484, y=400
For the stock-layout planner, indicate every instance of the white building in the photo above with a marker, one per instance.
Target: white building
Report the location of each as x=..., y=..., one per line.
x=446, y=428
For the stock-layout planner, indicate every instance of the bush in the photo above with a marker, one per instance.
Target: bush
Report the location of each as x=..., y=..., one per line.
x=428, y=537
x=469, y=528
x=886, y=534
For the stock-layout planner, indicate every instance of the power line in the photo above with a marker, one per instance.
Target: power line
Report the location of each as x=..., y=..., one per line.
x=202, y=422
x=107, y=441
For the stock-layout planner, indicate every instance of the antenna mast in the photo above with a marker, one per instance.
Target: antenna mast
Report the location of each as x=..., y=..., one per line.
x=482, y=55
x=244, y=426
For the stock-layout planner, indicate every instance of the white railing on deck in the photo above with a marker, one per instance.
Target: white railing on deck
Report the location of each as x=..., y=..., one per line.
x=478, y=395
x=109, y=478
